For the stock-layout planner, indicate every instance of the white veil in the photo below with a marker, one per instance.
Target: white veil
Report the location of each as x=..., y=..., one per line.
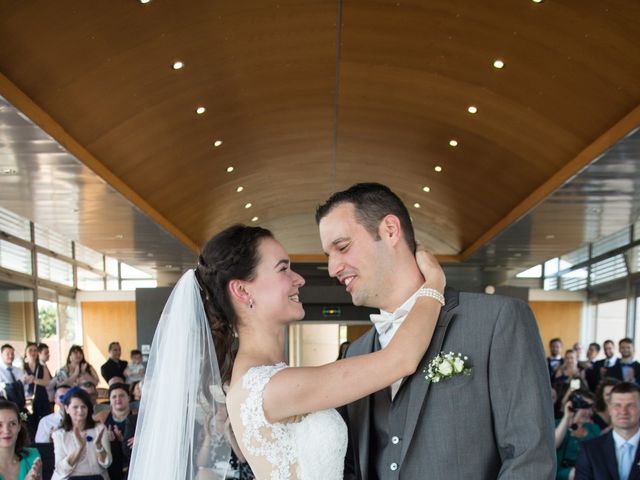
x=180, y=429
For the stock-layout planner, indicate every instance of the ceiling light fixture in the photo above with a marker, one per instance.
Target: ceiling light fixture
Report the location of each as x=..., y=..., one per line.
x=536, y=1
x=239, y=189
x=177, y=65
x=438, y=168
x=426, y=189
x=217, y=143
x=453, y=143
x=248, y=205
x=145, y=1
x=200, y=110
x=254, y=219
x=416, y=205
x=8, y=171
x=472, y=109
x=499, y=64
x=229, y=169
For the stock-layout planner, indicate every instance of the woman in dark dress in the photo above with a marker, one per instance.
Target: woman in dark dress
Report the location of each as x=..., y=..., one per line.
x=37, y=390
x=121, y=428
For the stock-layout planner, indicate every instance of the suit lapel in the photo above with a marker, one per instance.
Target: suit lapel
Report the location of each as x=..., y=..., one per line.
x=360, y=411
x=418, y=386
x=609, y=452
x=634, y=474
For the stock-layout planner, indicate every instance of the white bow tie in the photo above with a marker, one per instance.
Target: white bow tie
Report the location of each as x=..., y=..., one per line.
x=385, y=320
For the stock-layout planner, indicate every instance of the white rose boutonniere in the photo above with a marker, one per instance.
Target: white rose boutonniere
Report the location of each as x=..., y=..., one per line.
x=446, y=365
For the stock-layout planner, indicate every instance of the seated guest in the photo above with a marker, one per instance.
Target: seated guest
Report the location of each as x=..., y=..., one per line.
x=614, y=456
x=135, y=370
x=50, y=423
x=121, y=428
x=568, y=370
x=113, y=380
x=113, y=367
x=75, y=367
x=12, y=377
x=574, y=427
x=136, y=395
x=81, y=446
x=86, y=383
x=603, y=395
x=626, y=369
x=16, y=460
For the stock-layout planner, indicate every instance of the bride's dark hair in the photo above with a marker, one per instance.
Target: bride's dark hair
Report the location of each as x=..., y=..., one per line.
x=231, y=254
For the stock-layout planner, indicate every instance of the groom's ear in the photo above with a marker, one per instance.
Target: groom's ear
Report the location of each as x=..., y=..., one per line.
x=390, y=229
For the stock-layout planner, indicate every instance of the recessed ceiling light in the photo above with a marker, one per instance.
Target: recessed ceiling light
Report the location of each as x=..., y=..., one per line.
x=416, y=205
x=536, y=1
x=453, y=143
x=438, y=168
x=254, y=219
x=177, y=65
x=145, y=1
x=239, y=189
x=8, y=171
x=200, y=110
x=119, y=236
x=426, y=189
x=248, y=205
x=472, y=109
x=217, y=143
x=498, y=64
x=550, y=236
x=229, y=169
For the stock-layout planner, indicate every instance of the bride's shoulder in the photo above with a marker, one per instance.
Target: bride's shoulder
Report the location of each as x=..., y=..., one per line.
x=251, y=377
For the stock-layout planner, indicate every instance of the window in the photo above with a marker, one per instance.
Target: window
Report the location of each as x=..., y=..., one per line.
x=14, y=257
x=55, y=270
x=15, y=225
x=52, y=241
x=611, y=320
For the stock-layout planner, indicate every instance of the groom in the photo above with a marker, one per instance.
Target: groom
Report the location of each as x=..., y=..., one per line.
x=496, y=422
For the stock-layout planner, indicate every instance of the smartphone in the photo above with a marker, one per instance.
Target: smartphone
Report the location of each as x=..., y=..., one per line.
x=574, y=384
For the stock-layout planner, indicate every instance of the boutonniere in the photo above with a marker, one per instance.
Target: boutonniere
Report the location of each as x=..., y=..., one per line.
x=446, y=365
x=23, y=416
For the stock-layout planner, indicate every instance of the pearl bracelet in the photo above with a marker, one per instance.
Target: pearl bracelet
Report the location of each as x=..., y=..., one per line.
x=432, y=293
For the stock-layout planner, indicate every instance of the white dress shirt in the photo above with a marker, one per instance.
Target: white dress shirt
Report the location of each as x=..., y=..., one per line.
x=618, y=440
x=65, y=444
x=47, y=425
x=387, y=324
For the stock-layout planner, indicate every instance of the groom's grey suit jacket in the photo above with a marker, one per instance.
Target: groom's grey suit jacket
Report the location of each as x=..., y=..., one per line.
x=495, y=423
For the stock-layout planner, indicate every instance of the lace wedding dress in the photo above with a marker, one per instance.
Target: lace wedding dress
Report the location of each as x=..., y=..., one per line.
x=312, y=448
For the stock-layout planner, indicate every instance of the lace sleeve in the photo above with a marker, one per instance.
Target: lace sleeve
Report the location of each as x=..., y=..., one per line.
x=269, y=441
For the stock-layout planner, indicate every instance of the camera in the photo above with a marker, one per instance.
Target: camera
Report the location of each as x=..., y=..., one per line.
x=578, y=402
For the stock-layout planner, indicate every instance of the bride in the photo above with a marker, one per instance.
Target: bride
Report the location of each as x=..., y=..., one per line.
x=240, y=297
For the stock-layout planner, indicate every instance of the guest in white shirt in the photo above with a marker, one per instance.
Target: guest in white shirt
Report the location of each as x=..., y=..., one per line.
x=614, y=455
x=12, y=379
x=53, y=421
x=81, y=446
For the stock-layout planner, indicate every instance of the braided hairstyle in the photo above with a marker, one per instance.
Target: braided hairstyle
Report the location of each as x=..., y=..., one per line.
x=230, y=255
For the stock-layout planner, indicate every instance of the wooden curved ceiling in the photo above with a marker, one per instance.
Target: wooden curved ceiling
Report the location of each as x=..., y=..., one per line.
x=310, y=97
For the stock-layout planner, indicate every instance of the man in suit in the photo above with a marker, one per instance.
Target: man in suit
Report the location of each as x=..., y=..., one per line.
x=590, y=366
x=496, y=422
x=555, y=358
x=615, y=455
x=626, y=369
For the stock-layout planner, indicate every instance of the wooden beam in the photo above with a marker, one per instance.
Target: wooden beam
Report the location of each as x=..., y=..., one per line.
x=41, y=118
x=592, y=152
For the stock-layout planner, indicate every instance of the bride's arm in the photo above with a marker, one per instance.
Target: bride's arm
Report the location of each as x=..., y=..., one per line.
x=296, y=391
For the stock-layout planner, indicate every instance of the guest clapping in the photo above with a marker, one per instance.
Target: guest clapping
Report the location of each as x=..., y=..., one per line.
x=81, y=446
x=75, y=367
x=121, y=428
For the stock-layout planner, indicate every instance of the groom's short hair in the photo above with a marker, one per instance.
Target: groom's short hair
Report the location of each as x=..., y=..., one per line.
x=372, y=202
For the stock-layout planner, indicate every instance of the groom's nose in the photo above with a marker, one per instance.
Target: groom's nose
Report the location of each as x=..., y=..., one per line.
x=334, y=266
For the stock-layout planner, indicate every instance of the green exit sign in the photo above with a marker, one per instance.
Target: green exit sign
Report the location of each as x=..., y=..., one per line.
x=331, y=312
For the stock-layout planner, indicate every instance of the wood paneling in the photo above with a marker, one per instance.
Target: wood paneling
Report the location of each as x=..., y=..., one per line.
x=558, y=319
x=103, y=323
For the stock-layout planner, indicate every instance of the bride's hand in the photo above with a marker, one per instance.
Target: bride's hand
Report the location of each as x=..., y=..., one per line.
x=431, y=270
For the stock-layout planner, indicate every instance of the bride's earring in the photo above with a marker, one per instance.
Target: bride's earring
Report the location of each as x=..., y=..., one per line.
x=250, y=302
